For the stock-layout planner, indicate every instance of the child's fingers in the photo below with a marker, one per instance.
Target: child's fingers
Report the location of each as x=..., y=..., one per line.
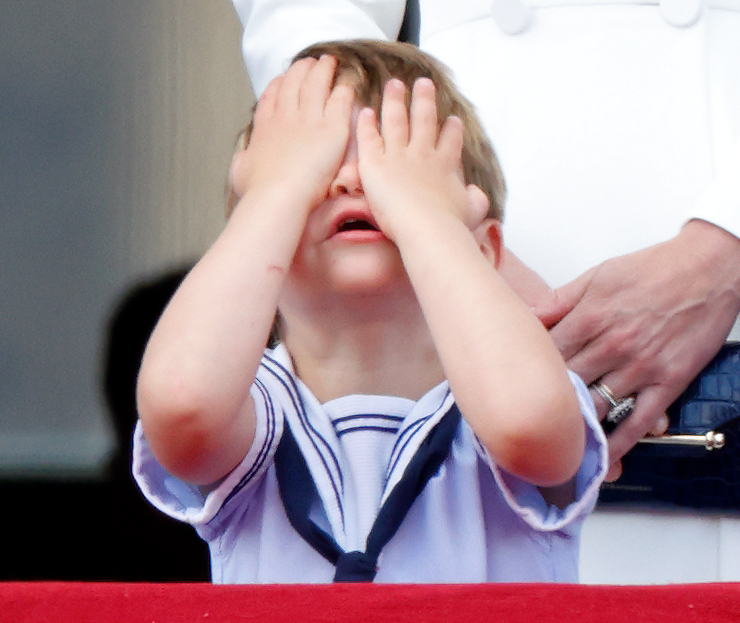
x=394, y=123
x=369, y=141
x=450, y=141
x=268, y=100
x=237, y=177
x=478, y=205
x=339, y=105
x=290, y=87
x=315, y=88
x=423, y=116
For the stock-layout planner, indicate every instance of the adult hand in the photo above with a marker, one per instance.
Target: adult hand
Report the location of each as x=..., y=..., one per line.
x=645, y=324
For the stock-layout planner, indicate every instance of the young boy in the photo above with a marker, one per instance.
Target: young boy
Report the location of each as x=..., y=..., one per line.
x=341, y=453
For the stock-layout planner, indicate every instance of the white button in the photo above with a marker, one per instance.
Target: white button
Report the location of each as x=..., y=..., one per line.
x=511, y=16
x=680, y=13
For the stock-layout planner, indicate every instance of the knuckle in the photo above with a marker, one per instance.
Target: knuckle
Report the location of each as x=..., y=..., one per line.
x=591, y=322
x=675, y=372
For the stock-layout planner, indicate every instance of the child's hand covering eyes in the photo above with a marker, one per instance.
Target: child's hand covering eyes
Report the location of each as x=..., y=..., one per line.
x=408, y=167
x=301, y=127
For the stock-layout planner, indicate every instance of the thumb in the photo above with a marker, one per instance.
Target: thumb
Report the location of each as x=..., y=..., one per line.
x=552, y=309
x=237, y=172
x=478, y=205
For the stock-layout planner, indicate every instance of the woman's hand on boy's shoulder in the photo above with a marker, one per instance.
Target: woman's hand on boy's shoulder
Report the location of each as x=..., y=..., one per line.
x=301, y=128
x=408, y=168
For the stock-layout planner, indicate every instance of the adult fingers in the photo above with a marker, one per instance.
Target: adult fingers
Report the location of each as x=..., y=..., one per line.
x=554, y=309
x=614, y=472
x=661, y=426
x=650, y=407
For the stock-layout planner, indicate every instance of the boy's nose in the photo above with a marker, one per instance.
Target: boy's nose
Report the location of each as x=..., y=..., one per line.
x=347, y=181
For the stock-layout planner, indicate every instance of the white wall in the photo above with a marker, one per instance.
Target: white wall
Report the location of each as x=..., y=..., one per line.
x=660, y=547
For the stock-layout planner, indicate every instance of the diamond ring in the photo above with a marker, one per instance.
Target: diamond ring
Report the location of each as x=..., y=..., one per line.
x=620, y=409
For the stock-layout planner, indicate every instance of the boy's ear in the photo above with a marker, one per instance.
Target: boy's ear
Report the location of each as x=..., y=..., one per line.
x=489, y=236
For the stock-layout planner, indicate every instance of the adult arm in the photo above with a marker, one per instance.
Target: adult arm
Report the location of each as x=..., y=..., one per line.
x=275, y=30
x=648, y=322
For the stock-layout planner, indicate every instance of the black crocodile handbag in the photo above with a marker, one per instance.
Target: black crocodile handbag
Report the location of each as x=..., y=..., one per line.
x=697, y=463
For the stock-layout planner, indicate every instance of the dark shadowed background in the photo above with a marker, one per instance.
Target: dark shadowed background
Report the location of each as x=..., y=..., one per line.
x=117, y=122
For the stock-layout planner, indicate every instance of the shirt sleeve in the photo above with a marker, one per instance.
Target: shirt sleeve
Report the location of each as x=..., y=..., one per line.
x=526, y=500
x=720, y=202
x=275, y=30
x=187, y=502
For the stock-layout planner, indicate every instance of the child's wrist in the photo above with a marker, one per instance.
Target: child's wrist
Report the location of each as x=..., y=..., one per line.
x=427, y=222
x=279, y=200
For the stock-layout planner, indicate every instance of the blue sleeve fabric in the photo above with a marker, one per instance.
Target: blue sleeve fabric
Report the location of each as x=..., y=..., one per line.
x=526, y=500
x=189, y=503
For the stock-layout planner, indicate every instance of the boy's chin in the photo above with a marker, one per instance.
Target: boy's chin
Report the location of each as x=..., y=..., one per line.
x=367, y=274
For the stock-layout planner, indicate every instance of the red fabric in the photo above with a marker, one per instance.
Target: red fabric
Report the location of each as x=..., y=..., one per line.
x=59, y=602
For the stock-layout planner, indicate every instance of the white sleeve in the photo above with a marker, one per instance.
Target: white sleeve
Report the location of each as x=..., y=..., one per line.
x=275, y=30
x=186, y=502
x=526, y=500
x=720, y=202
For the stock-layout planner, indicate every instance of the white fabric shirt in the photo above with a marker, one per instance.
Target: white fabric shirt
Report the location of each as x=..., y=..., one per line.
x=471, y=523
x=615, y=122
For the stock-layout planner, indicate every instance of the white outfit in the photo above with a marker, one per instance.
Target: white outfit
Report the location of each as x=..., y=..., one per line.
x=471, y=523
x=615, y=122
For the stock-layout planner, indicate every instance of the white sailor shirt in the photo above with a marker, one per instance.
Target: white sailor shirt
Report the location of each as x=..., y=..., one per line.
x=472, y=522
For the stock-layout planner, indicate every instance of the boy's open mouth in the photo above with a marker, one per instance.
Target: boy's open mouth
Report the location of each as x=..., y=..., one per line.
x=355, y=224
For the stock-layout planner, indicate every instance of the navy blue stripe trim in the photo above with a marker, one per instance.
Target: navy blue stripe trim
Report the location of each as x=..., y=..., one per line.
x=297, y=399
x=407, y=435
x=380, y=429
x=313, y=434
x=379, y=416
x=264, y=450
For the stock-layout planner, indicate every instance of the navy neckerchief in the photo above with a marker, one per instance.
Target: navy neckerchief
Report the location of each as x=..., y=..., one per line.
x=298, y=491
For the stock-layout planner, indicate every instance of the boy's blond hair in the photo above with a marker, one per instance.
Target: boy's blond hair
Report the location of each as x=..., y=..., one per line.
x=372, y=63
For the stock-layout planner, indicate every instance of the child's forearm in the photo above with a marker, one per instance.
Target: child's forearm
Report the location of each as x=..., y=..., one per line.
x=505, y=372
x=203, y=355
x=202, y=358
